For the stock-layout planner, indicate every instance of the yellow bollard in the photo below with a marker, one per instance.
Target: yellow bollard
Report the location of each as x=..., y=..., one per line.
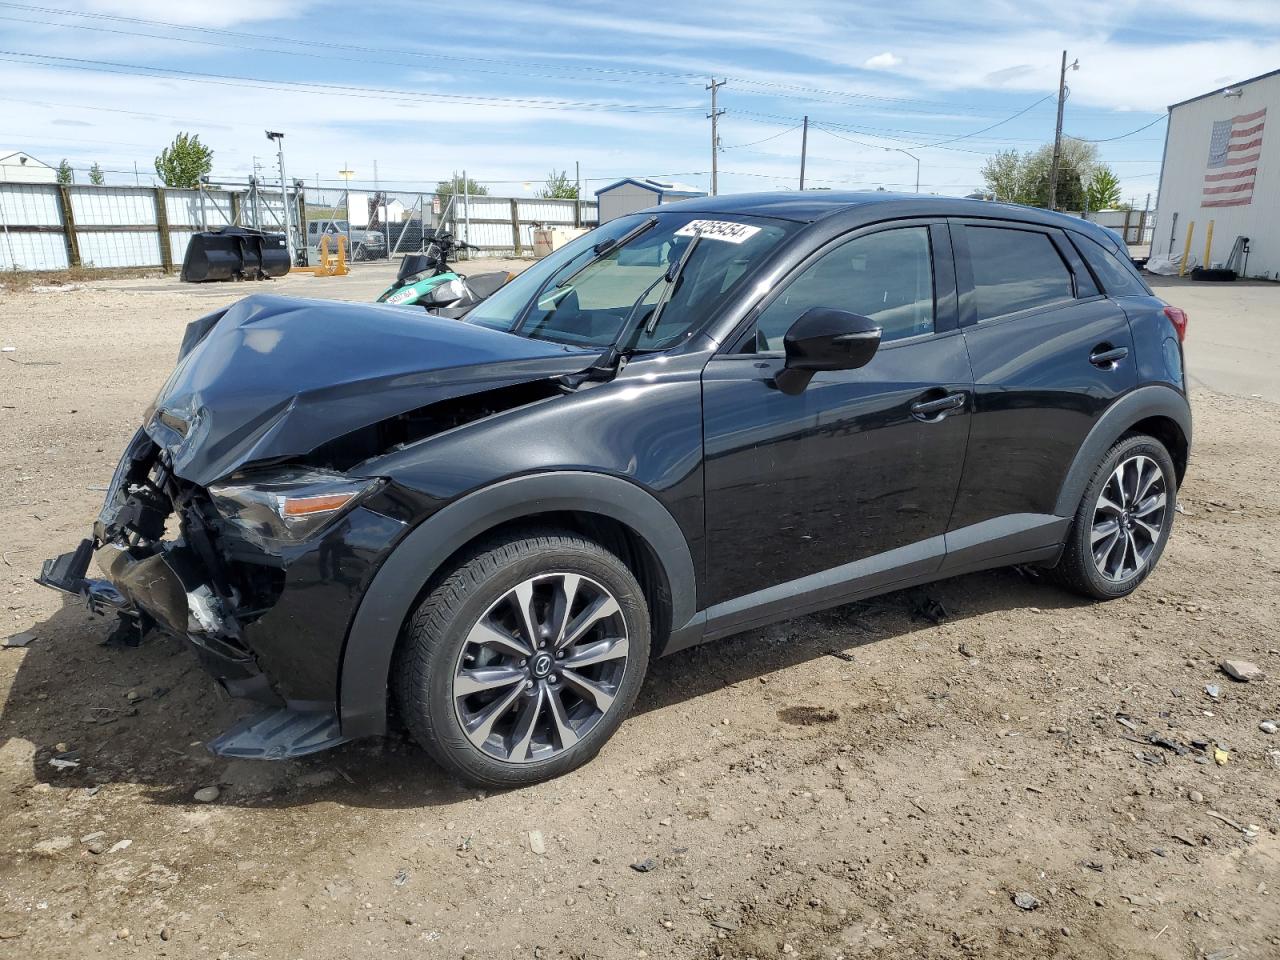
x=1186, y=250
x=1208, y=245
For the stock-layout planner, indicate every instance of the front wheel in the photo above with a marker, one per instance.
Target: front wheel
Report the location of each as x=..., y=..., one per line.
x=1123, y=522
x=523, y=661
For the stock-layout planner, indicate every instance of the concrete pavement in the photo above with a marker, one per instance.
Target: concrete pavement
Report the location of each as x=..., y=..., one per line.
x=1233, y=334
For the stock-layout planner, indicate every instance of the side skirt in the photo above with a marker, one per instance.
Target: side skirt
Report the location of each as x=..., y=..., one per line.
x=1002, y=542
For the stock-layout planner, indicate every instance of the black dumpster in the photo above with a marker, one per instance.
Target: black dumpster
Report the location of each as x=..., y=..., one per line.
x=235, y=253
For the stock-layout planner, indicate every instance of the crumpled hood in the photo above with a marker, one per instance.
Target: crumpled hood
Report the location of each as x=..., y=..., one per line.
x=274, y=377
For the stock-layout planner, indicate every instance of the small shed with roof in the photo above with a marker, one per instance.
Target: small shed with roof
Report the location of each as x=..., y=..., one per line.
x=635, y=193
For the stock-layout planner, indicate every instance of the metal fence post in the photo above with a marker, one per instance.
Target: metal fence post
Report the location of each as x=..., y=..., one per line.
x=69, y=226
x=300, y=200
x=515, y=226
x=162, y=228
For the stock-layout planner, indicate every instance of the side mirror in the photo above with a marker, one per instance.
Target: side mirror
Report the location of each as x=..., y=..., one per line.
x=825, y=339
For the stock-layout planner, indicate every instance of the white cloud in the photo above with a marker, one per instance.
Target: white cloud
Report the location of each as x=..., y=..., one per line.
x=225, y=13
x=882, y=61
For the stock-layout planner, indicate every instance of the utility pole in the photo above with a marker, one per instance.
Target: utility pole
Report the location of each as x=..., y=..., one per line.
x=577, y=193
x=804, y=148
x=715, y=134
x=1057, y=132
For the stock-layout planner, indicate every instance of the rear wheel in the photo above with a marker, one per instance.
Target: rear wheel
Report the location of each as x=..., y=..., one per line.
x=1123, y=522
x=523, y=661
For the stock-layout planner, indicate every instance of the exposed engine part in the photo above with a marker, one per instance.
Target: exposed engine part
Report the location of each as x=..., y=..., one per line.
x=206, y=611
x=391, y=434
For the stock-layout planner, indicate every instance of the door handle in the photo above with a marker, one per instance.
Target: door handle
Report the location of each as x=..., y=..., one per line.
x=932, y=411
x=1106, y=356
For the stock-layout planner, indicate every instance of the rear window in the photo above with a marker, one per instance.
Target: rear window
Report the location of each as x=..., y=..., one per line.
x=1015, y=270
x=1118, y=279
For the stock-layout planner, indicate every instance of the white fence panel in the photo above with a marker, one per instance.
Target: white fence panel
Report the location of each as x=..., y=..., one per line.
x=106, y=248
x=217, y=208
x=29, y=204
x=32, y=251
x=112, y=206
x=178, y=240
x=546, y=211
x=182, y=207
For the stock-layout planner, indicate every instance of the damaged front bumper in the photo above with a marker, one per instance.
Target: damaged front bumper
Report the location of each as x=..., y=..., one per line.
x=268, y=621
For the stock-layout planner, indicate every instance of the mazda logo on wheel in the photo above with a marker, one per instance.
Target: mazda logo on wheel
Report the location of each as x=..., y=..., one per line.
x=541, y=665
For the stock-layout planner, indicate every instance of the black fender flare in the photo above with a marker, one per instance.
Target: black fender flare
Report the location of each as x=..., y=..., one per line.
x=375, y=629
x=1140, y=404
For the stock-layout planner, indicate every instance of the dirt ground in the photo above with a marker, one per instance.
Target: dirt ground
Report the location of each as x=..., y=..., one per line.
x=859, y=783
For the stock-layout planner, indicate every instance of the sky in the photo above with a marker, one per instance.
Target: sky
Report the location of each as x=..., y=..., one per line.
x=509, y=91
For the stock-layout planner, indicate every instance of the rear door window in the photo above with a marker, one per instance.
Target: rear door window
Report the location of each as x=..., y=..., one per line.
x=1116, y=278
x=1015, y=270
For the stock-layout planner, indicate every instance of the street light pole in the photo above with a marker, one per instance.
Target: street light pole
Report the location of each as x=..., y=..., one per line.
x=913, y=157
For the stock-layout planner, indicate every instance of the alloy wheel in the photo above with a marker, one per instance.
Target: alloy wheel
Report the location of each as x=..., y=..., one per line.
x=541, y=667
x=1128, y=519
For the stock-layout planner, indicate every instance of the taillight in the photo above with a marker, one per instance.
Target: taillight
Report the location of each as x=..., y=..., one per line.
x=1178, y=317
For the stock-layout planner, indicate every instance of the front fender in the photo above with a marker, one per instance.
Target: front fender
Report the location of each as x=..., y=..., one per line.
x=375, y=629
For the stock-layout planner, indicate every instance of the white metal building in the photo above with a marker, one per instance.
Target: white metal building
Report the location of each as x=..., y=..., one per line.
x=632, y=194
x=19, y=167
x=1221, y=170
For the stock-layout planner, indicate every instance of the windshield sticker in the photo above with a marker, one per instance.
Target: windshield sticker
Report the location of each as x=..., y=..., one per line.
x=725, y=230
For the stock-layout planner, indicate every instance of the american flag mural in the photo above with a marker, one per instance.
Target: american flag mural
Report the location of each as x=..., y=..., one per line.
x=1234, y=148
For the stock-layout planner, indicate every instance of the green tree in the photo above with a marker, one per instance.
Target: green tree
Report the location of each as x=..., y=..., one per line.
x=1103, y=189
x=457, y=185
x=65, y=174
x=184, y=162
x=558, y=187
x=1004, y=175
x=95, y=175
x=1024, y=177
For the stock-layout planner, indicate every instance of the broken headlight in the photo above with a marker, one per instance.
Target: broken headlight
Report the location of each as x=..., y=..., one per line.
x=288, y=505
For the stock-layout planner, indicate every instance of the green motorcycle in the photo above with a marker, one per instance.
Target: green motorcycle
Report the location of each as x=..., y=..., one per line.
x=427, y=280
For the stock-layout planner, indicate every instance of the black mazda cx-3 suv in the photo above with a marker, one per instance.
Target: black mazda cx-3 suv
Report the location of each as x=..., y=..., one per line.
x=689, y=422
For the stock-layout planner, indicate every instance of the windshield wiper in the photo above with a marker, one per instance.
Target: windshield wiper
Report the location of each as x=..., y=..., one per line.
x=605, y=247
x=672, y=276
x=599, y=252
x=607, y=363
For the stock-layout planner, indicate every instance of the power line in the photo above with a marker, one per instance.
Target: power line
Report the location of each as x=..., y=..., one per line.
x=217, y=31
x=514, y=71
x=1123, y=135
x=521, y=66
x=739, y=146
x=336, y=89
x=998, y=123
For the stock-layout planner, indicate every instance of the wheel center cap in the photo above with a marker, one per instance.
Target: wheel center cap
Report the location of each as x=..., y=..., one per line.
x=540, y=665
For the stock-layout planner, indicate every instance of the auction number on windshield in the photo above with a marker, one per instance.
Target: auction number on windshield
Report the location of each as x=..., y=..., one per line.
x=725, y=230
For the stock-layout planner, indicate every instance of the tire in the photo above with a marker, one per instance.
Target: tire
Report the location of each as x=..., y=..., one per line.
x=1143, y=528
x=464, y=655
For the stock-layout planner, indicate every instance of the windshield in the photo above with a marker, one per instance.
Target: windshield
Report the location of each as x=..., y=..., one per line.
x=588, y=307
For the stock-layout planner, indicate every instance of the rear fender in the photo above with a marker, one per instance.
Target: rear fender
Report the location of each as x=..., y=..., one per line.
x=1137, y=405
